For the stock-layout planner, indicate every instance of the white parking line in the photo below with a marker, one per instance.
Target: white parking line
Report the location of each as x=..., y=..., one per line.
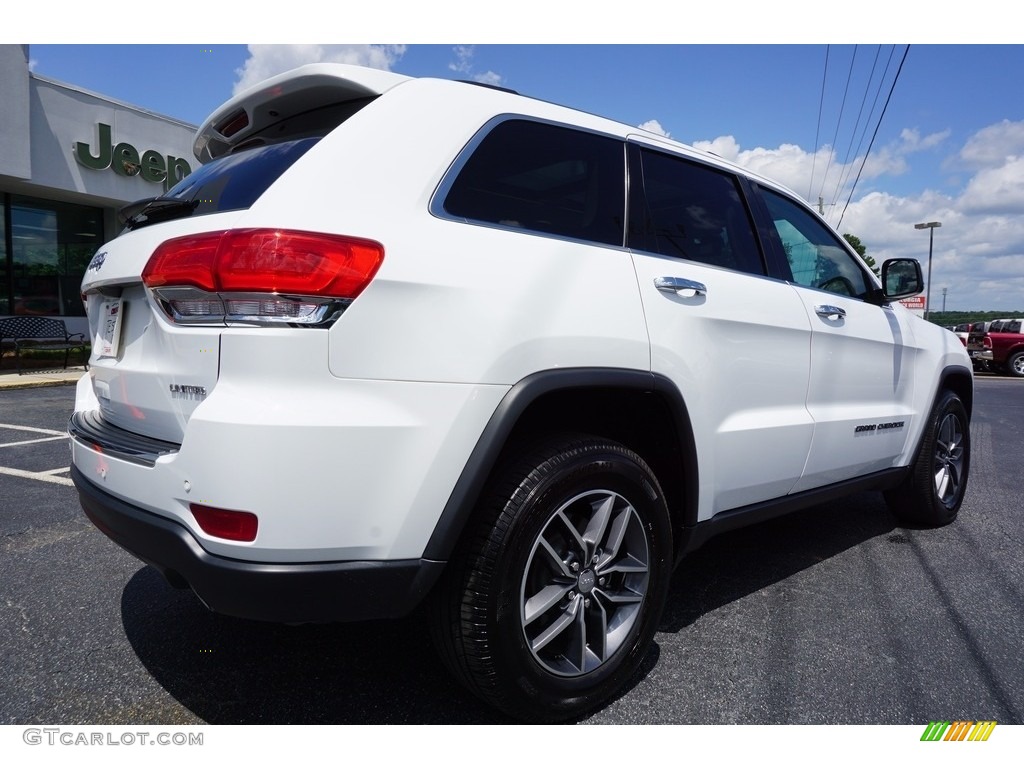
x=45, y=477
x=48, y=476
x=30, y=442
x=34, y=429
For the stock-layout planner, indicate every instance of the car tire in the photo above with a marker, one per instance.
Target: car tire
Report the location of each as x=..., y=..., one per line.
x=552, y=600
x=934, y=489
x=1015, y=364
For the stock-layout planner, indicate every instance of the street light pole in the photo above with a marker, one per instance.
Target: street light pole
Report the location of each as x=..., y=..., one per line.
x=930, y=226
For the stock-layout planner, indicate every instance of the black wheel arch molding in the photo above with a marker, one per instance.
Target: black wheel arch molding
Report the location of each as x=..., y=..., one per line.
x=957, y=379
x=507, y=422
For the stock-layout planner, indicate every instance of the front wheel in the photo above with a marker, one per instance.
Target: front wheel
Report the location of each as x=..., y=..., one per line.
x=553, y=599
x=934, y=490
x=1015, y=364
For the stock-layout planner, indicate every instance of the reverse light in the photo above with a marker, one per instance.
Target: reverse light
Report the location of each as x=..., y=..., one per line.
x=225, y=523
x=260, y=276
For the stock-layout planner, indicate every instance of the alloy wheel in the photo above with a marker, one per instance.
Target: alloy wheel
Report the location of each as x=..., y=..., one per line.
x=585, y=582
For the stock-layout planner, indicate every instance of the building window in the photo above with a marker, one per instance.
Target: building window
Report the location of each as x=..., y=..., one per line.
x=49, y=245
x=5, y=272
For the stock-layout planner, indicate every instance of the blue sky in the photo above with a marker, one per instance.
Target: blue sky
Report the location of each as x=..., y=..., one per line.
x=950, y=146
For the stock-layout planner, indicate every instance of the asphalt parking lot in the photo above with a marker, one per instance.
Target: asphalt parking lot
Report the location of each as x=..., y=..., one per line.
x=832, y=615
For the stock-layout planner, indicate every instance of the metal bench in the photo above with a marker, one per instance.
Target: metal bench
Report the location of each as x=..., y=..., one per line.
x=40, y=333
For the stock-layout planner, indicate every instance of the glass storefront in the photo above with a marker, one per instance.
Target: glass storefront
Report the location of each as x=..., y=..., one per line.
x=5, y=269
x=46, y=247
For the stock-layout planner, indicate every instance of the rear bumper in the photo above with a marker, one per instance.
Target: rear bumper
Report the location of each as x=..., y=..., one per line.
x=281, y=592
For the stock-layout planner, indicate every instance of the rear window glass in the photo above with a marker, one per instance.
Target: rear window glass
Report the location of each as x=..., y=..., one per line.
x=229, y=183
x=236, y=181
x=544, y=178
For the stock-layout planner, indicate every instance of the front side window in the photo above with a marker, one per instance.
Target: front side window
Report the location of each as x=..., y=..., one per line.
x=544, y=178
x=816, y=257
x=691, y=211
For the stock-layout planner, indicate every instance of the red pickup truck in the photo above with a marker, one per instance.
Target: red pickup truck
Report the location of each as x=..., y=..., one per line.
x=1003, y=347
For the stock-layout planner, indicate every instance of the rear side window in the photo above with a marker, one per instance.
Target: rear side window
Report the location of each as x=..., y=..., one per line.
x=693, y=212
x=544, y=178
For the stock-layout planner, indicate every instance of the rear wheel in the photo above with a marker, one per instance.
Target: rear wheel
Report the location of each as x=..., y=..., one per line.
x=553, y=599
x=934, y=490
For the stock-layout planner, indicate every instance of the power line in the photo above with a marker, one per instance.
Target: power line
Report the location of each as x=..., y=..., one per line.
x=874, y=135
x=817, y=130
x=839, y=120
x=845, y=167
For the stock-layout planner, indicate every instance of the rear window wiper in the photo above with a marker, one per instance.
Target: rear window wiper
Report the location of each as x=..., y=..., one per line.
x=153, y=209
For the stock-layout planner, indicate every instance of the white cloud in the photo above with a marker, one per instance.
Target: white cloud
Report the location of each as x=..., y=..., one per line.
x=268, y=60
x=463, y=65
x=996, y=190
x=655, y=127
x=911, y=140
x=488, y=78
x=991, y=146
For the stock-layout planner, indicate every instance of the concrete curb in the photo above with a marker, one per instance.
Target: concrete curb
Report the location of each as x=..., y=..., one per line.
x=34, y=381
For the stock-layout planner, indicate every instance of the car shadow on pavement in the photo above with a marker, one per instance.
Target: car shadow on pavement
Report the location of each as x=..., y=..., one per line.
x=739, y=563
x=228, y=670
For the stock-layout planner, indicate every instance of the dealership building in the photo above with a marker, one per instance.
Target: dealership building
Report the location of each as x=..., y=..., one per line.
x=69, y=159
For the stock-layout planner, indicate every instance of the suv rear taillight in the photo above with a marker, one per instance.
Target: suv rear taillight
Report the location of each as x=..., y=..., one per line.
x=260, y=276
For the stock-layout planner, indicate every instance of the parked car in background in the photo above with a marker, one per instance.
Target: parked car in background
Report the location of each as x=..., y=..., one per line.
x=1003, y=347
x=975, y=345
x=962, y=331
x=407, y=342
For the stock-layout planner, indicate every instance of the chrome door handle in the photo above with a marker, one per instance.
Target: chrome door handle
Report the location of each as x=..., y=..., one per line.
x=830, y=312
x=681, y=286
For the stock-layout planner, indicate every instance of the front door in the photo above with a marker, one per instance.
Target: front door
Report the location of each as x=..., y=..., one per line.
x=861, y=375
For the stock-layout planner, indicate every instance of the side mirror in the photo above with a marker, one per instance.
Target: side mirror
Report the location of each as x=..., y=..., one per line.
x=901, y=278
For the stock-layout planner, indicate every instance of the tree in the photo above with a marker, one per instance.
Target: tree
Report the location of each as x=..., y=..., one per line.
x=862, y=250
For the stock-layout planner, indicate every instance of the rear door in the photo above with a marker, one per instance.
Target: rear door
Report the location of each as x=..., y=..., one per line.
x=735, y=342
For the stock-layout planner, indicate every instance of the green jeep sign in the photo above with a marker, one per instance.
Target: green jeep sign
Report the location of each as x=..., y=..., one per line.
x=127, y=161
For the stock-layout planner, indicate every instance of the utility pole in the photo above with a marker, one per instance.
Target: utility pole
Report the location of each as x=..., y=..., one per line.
x=930, y=226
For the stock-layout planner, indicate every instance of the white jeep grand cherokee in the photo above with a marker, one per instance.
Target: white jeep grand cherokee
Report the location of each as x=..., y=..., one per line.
x=405, y=342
